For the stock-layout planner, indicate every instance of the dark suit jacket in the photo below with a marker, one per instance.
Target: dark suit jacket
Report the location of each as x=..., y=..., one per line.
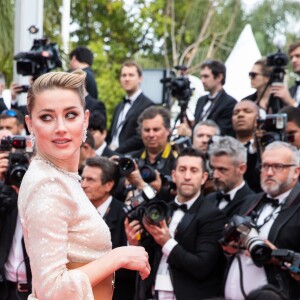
x=90, y=82
x=6, y=238
x=284, y=234
x=221, y=111
x=107, y=152
x=125, y=279
x=94, y=106
x=196, y=262
x=129, y=139
x=234, y=206
x=293, y=91
x=2, y=104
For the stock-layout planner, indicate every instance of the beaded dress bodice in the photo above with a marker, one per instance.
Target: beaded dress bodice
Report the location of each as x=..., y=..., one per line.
x=60, y=225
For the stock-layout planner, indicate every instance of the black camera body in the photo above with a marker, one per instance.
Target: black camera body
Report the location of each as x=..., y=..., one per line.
x=277, y=60
x=179, y=86
x=42, y=58
x=18, y=159
x=148, y=173
x=146, y=206
x=241, y=230
x=288, y=256
x=273, y=128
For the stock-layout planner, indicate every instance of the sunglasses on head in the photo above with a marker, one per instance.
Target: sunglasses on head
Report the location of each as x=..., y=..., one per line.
x=9, y=113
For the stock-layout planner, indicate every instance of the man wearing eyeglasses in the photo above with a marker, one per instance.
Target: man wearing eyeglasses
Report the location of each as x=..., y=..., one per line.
x=217, y=105
x=276, y=217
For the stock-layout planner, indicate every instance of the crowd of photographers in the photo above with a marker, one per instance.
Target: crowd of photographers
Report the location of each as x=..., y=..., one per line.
x=216, y=205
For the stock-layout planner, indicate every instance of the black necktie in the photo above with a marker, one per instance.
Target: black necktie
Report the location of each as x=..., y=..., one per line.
x=273, y=202
x=176, y=206
x=297, y=82
x=220, y=196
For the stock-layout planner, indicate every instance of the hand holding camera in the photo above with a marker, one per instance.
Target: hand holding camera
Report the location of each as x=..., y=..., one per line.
x=160, y=233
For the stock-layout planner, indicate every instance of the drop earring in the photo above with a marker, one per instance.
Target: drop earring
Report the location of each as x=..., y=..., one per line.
x=32, y=139
x=84, y=135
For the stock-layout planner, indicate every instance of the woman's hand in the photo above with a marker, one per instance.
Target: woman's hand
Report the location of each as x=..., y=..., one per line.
x=134, y=258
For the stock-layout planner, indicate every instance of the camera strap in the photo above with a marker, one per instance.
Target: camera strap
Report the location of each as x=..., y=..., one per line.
x=159, y=163
x=260, y=206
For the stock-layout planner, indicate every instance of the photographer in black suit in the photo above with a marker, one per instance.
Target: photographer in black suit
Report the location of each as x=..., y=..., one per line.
x=123, y=136
x=15, y=274
x=275, y=215
x=228, y=162
x=217, y=105
x=290, y=97
x=188, y=261
x=82, y=58
x=98, y=179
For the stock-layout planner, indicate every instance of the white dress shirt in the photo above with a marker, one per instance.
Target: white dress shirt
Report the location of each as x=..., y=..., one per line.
x=115, y=140
x=224, y=203
x=14, y=268
x=163, y=283
x=253, y=276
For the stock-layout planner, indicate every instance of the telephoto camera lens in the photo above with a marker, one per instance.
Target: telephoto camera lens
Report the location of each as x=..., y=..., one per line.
x=260, y=252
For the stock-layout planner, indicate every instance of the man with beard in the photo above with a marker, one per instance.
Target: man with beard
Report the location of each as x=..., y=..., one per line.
x=228, y=163
x=275, y=214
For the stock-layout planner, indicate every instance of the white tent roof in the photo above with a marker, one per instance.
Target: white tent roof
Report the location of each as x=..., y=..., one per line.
x=239, y=63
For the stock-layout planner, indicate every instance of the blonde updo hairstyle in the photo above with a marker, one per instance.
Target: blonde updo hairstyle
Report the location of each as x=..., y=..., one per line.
x=74, y=81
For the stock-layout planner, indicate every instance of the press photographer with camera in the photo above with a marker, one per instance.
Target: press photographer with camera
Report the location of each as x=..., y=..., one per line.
x=15, y=274
x=290, y=96
x=292, y=127
x=156, y=160
x=274, y=216
x=188, y=262
x=228, y=162
x=260, y=76
x=98, y=179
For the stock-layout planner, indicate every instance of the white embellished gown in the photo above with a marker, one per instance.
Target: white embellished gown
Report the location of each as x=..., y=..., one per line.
x=60, y=225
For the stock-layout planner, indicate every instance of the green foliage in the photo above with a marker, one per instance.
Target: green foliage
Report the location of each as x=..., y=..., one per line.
x=6, y=38
x=156, y=33
x=272, y=17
